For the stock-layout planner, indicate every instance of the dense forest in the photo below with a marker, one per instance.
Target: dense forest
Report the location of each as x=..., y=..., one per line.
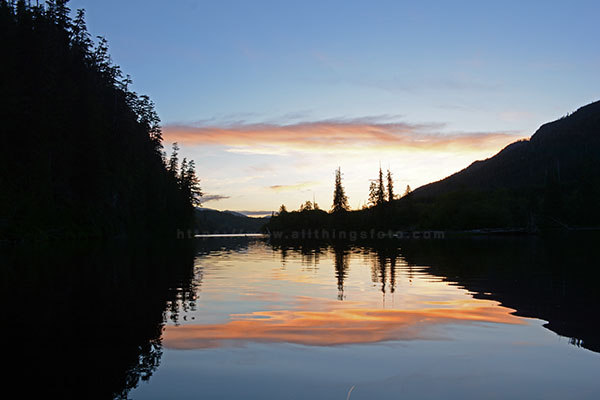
x=547, y=182
x=82, y=154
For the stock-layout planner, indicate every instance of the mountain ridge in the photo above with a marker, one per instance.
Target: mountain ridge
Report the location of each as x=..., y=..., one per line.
x=560, y=148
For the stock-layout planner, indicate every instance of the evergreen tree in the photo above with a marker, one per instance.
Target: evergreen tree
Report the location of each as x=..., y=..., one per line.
x=340, y=201
x=390, y=186
x=173, y=166
x=380, y=188
x=148, y=117
x=183, y=174
x=189, y=183
x=192, y=185
x=307, y=206
x=81, y=38
x=373, y=193
x=62, y=13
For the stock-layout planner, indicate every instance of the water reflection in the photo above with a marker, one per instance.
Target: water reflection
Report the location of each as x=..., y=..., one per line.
x=411, y=319
x=553, y=278
x=529, y=277
x=87, y=319
x=100, y=318
x=337, y=326
x=341, y=267
x=384, y=267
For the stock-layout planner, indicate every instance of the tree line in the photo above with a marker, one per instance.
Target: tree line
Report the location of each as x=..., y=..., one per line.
x=381, y=191
x=82, y=153
x=523, y=209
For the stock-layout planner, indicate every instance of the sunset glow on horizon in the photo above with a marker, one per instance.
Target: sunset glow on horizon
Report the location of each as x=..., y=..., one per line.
x=290, y=164
x=269, y=98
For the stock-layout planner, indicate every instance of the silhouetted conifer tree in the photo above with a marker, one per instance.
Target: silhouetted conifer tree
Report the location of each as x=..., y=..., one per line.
x=390, y=186
x=373, y=193
x=173, y=166
x=191, y=184
x=380, y=188
x=340, y=201
x=307, y=206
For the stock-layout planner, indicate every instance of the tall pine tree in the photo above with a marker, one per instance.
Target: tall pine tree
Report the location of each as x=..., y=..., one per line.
x=390, y=186
x=340, y=200
x=380, y=188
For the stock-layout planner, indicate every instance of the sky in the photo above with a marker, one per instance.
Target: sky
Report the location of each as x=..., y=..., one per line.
x=270, y=97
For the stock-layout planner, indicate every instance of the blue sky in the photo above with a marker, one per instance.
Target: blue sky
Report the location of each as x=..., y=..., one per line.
x=438, y=69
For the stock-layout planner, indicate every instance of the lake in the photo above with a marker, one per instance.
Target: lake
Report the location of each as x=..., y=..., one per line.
x=240, y=317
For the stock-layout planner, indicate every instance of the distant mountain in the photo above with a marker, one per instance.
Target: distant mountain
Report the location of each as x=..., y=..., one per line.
x=235, y=213
x=214, y=221
x=564, y=151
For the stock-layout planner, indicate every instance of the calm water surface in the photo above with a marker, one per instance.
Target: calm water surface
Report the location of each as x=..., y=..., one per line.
x=230, y=318
x=338, y=322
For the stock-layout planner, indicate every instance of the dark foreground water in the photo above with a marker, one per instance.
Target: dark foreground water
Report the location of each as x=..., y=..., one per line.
x=241, y=318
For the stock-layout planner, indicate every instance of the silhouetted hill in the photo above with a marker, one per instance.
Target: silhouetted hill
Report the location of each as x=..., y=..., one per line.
x=81, y=153
x=214, y=221
x=566, y=150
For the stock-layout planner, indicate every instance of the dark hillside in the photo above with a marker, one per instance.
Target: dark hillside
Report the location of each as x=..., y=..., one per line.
x=566, y=150
x=81, y=153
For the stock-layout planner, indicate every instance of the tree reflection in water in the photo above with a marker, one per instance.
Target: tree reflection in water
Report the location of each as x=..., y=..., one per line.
x=87, y=318
x=552, y=278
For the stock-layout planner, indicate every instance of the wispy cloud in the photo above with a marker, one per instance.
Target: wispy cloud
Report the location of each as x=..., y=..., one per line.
x=213, y=197
x=336, y=135
x=293, y=187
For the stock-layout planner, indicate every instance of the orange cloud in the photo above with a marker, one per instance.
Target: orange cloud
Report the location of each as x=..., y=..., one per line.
x=329, y=328
x=332, y=134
